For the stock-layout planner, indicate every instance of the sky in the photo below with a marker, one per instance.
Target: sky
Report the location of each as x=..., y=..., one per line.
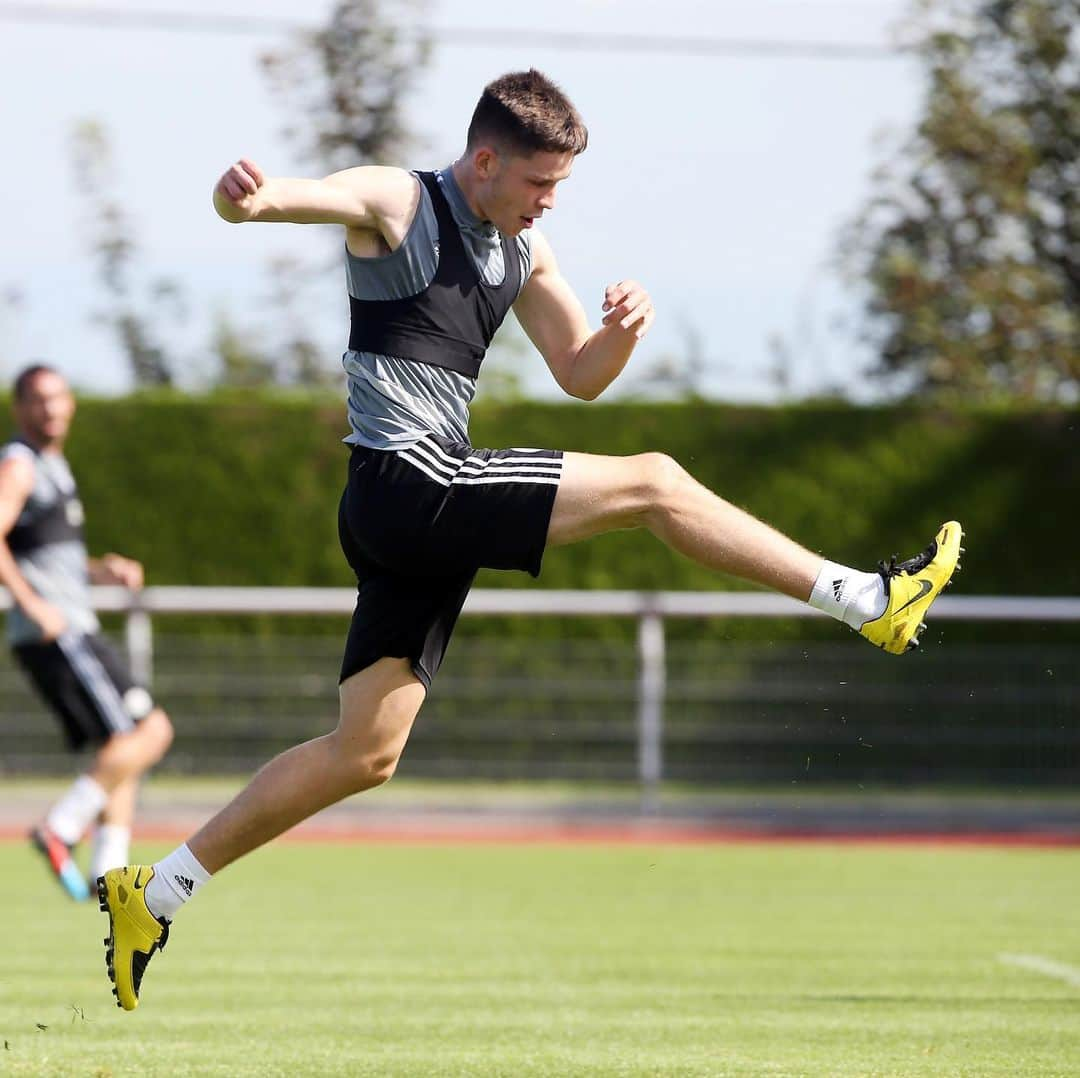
x=719, y=182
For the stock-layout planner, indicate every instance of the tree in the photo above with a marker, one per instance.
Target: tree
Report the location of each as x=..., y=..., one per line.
x=240, y=365
x=346, y=84
x=298, y=360
x=114, y=247
x=678, y=376
x=11, y=303
x=970, y=246
x=344, y=88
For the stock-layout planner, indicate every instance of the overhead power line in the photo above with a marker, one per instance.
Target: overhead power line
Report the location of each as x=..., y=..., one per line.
x=118, y=18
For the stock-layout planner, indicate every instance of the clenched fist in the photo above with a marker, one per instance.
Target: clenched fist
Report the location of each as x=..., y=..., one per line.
x=234, y=192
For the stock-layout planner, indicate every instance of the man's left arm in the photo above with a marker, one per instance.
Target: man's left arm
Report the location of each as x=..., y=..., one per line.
x=583, y=362
x=115, y=569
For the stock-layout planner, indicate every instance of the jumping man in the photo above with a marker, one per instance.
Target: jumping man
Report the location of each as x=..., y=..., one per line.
x=434, y=262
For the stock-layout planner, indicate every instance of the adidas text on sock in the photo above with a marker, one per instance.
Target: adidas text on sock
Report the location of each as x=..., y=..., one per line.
x=849, y=595
x=176, y=879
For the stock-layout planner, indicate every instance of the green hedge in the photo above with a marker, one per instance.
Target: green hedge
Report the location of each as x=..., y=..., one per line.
x=244, y=490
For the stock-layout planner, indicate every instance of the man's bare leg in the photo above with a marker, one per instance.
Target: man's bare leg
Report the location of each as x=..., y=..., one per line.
x=112, y=837
x=127, y=756
x=119, y=810
x=119, y=762
x=887, y=607
x=378, y=706
x=600, y=494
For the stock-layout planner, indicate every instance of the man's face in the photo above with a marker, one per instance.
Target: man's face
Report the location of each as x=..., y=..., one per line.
x=516, y=190
x=45, y=409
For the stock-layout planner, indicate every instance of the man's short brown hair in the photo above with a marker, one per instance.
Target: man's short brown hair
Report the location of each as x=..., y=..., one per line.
x=524, y=113
x=22, y=382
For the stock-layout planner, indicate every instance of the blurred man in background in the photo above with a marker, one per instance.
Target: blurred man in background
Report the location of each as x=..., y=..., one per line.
x=54, y=635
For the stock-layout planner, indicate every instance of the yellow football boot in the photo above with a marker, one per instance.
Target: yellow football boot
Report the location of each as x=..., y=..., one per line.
x=911, y=586
x=134, y=932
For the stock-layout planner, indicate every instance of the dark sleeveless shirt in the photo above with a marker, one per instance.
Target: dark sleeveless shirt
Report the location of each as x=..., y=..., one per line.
x=451, y=323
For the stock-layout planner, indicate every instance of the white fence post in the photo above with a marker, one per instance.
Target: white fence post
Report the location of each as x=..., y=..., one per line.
x=139, y=637
x=651, y=683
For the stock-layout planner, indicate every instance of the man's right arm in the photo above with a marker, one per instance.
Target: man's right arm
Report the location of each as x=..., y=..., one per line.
x=369, y=198
x=16, y=482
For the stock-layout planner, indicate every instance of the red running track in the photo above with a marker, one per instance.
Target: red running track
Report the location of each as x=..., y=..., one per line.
x=629, y=834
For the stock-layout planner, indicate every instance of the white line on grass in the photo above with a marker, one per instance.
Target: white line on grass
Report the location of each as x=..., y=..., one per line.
x=1051, y=968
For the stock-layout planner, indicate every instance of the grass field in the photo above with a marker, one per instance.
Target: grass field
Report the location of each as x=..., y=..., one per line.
x=321, y=959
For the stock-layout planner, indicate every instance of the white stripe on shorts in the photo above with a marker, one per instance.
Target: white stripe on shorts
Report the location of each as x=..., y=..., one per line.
x=480, y=480
x=95, y=679
x=474, y=460
x=424, y=452
x=423, y=466
x=450, y=466
x=445, y=469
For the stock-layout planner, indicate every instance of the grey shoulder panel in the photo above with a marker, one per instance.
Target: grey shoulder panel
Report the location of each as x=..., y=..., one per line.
x=524, y=248
x=405, y=271
x=18, y=449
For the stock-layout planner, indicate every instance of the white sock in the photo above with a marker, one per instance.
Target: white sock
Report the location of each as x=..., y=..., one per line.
x=110, y=849
x=176, y=878
x=849, y=595
x=73, y=814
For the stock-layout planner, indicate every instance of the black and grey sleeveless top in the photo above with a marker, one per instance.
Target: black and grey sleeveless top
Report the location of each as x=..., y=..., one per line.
x=423, y=316
x=48, y=545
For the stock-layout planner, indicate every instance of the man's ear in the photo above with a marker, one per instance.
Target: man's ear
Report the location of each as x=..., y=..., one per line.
x=485, y=161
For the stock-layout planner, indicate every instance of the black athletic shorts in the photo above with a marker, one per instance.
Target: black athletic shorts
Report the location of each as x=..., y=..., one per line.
x=87, y=684
x=417, y=523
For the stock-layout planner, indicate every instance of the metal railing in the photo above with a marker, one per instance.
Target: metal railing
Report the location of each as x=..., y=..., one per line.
x=650, y=609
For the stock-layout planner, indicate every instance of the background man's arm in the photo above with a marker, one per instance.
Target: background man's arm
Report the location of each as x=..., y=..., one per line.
x=16, y=482
x=116, y=569
x=584, y=363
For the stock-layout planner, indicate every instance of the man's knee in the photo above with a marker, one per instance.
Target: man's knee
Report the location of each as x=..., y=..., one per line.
x=158, y=731
x=378, y=706
x=131, y=753
x=377, y=769
x=367, y=768
x=660, y=476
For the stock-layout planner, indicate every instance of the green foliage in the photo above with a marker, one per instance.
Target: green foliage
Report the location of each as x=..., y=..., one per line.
x=241, y=488
x=970, y=245
x=231, y=489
